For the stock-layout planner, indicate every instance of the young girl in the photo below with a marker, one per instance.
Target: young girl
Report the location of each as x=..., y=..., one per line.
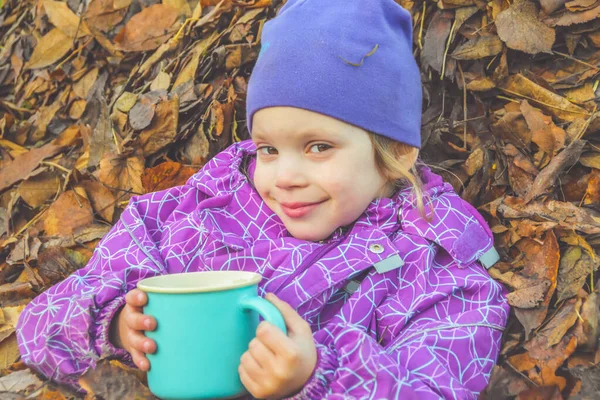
x=377, y=267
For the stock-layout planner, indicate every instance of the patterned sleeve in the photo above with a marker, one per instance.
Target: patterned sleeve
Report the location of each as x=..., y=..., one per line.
x=451, y=358
x=64, y=331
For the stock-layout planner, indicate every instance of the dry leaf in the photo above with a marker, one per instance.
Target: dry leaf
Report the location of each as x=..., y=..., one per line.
x=166, y=175
x=61, y=16
x=575, y=266
x=124, y=173
x=102, y=199
x=36, y=190
x=182, y=6
x=547, y=100
x=109, y=380
x=20, y=381
x=480, y=47
x=541, y=261
x=70, y=211
x=148, y=29
x=82, y=87
x=520, y=28
x=103, y=15
x=51, y=47
x=22, y=166
x=163, y=129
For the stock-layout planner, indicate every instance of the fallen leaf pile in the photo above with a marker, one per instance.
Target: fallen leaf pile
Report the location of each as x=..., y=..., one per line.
x=101, y=100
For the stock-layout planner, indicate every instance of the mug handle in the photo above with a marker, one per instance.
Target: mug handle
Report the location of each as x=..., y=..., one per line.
x=266, y=309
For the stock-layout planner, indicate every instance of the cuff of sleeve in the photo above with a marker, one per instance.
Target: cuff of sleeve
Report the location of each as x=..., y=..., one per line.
x=102, y=344
x=318, y=384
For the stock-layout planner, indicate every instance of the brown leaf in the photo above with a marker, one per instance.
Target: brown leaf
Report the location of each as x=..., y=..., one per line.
x=148, y=29
x=549, y=6
x=561, y=322
x=163, y=129
x=56, y=263
x=590, y=314
x=480, y=47
x=166, y=175
x=540, y=393
x=102, y=199
x=103, y=15
x=592, y=193
x=70, y=211
x=122, y=172
x=566, y=18
x=37, y=189
x=541, y=262
x=102, y=140
x=15, y=294
x=575, y=266
x=549, y=101
x=20, y=381
x=182, y=6
x=61, y=16
x=141, y=114
x=520, y=29
x=549, y=137
x=549, y=175
x=188, y=73
x=567, y=215
x=22, y=166
x=529, y=297
x=51, y=47
x=113, y=381
x=590, y=159
x=434, y=43
x=82, y=87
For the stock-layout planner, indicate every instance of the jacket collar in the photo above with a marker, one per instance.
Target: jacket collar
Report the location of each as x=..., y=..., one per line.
x=453, y=224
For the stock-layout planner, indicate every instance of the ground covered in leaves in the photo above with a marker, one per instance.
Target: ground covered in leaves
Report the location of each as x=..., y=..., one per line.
x=104, y=99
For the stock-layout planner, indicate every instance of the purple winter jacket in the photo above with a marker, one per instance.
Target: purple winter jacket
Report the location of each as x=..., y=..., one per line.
x=423, y=320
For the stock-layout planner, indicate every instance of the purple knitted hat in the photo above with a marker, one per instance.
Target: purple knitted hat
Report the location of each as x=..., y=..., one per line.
x=349, y=59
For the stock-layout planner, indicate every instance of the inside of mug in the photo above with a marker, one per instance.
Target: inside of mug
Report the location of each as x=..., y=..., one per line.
x=193, y=282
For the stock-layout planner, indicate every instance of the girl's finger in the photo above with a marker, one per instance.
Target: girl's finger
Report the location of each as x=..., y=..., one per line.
x=136, y=298
x=275, y=340
x=248, y=382
x=263, y=356
x=141, y=343
x=140, y=322
x=293, y=321
x=140, y=360
x=252, y=368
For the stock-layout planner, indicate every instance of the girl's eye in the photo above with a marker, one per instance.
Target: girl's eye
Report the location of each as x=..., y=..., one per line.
x=319, y=148
x=267, y=150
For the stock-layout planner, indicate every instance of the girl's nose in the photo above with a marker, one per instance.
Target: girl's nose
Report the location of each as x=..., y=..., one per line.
x=290, y=175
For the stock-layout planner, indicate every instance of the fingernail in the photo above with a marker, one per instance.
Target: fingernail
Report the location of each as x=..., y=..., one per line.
x=147, y=346
x=147, y=323
x=140, y=297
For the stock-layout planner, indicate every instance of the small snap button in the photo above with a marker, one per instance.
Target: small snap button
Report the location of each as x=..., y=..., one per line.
x=376, y=248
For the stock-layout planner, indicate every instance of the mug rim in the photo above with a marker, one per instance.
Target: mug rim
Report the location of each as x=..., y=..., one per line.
x=245, y=279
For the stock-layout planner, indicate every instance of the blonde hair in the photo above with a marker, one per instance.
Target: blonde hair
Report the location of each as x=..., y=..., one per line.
x=397, y=163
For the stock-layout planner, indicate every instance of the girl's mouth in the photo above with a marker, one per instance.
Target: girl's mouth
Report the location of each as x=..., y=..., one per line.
x=298, y=210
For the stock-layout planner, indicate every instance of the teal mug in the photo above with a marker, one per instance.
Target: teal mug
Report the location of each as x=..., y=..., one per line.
x=205, y=321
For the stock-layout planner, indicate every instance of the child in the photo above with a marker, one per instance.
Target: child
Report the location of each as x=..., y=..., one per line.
x=378, y=268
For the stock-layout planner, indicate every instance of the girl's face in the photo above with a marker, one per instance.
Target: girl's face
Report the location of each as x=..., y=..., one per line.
x=315, y=172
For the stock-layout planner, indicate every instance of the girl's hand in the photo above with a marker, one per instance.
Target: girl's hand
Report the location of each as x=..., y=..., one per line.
x=128, y=326
x=277, y=365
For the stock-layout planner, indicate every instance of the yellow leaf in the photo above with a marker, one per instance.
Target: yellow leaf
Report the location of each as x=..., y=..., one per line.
x=61, y=16
x=182, y=6
x=52, y=47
